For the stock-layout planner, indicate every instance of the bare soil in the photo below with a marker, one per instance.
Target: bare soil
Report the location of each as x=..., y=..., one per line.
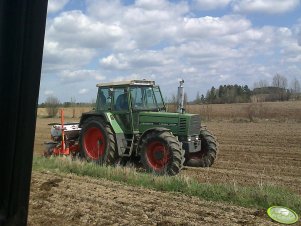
x=255, y=154
x=58, y=199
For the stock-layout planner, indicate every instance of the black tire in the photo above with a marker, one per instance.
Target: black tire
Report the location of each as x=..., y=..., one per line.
x=97, y=142
x=208, y=153
x=161, y=153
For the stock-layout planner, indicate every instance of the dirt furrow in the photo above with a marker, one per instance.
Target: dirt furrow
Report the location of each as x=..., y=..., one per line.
x=72, y=200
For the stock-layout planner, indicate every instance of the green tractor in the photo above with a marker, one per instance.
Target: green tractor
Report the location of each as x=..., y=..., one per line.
x=130, y=123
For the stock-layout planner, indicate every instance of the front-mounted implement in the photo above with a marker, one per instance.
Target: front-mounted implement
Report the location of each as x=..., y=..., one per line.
x=64, y=138
x=130, y=123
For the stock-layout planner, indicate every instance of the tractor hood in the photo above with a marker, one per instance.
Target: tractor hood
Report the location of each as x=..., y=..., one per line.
x=179, y=124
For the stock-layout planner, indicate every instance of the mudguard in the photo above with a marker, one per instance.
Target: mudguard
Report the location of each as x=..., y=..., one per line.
x=118, y=132
x=110, y=119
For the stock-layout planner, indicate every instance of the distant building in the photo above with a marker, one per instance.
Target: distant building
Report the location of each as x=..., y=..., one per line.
x=270, y=93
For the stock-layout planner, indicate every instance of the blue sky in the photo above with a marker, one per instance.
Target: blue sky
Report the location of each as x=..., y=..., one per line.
x=207, y=43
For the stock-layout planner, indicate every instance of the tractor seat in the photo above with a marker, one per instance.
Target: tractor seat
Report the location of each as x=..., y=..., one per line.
x=102, y=99
x=121, y=102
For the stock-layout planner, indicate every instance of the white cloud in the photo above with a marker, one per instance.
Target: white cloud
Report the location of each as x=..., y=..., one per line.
x=111, y=10
x=197, y=52
x=73, y=28
x=292, y=52
x=209, y=4
x=144, y=24
x=81, y=75
x=132, y=77
x=148, y=27
x=55, y=52
x=151, y=4
x=56, y=5
x=59, y=57
x=48, y=92
x=136, y=59
x=265, y=6
x=297, y=31
x=215, y=26
x=223, y=78
x=82, y=91
x=189, y=70
x=118, y=62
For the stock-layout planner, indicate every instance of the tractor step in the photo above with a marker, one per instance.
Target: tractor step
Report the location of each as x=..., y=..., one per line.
x=129, y=147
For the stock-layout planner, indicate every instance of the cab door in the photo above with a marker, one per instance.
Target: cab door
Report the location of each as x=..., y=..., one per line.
x=121, y=109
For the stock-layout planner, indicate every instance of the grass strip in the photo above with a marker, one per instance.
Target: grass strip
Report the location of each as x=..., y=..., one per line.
x=257, y=196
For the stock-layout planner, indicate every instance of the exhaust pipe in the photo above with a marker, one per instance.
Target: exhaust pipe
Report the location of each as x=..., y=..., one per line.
x=180, y=108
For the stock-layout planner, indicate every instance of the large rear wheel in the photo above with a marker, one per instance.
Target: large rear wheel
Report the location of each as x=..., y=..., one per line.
x=161, y=153
x=208, y=153
x=97, y=142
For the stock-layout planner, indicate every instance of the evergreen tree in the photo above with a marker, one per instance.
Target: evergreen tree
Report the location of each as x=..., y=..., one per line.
x=229, y=94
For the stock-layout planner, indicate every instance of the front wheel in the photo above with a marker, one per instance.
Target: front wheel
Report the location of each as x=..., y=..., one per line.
x=161, y=153
x=208, y=153
x=97, y=142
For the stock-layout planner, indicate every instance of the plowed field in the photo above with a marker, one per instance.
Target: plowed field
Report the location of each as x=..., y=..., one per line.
x=73, y=200
x=255, y=154
x=250, y=154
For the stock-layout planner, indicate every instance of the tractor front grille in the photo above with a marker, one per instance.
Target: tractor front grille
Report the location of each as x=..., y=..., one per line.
x=195, y=124
x=182, y=125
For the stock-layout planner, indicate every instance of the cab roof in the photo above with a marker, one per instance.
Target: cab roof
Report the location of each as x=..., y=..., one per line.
x=128, y=83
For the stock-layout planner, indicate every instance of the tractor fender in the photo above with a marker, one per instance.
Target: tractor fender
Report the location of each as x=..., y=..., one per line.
x=118, y=133
x=110, y=119
x=158, y=129
x=89, y=114
x=104, y=116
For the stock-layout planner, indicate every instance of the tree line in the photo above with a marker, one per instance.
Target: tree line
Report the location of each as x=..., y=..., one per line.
x=277, y=90
x=227, y=94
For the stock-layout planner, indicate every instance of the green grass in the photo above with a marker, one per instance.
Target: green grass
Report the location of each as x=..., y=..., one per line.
x=257, y=196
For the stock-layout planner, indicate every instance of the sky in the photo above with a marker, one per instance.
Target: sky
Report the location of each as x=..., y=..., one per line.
x=207, y=43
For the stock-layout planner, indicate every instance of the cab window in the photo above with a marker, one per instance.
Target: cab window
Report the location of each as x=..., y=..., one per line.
x=121, y=99
x=104, y=99
x=143, y=98
x=158, y=97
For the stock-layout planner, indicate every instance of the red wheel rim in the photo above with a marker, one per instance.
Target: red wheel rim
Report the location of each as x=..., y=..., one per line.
x=94, y=143
x=157, y=155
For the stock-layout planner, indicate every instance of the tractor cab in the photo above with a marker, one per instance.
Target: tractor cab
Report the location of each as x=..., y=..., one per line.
x=130, y=96
x=125, y=100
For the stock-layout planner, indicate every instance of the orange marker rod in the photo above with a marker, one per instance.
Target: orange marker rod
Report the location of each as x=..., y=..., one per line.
x=63, y=131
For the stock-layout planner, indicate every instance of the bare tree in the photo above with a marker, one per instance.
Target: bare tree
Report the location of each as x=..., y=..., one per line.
x=198, y=98
x=172, y=103
x=52, y=105
x=261, y=84
x=295, y=88
x=93, y=103
x=73, y=105
x=185, y=100
x=279, y=81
